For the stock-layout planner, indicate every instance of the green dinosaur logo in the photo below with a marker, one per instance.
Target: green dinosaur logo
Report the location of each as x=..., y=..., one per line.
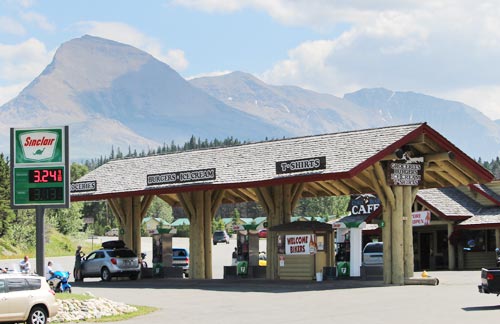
x=39, y=151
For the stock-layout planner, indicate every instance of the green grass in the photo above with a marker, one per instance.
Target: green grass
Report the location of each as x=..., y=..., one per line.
x=141, y=310
x=56, y=245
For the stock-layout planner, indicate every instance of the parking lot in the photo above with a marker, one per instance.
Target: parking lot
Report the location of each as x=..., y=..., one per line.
x=454, y=300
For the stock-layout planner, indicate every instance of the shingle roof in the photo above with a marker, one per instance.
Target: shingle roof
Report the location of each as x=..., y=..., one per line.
x=489, y=217
x=449, y=202
x=343, y=157
x=247, y=163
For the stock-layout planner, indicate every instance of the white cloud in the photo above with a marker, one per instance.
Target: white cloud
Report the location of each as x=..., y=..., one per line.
x=447, y=47
x=10, y=92
x=127, y=34
x=486, y=98
x=19, y=65
x=11, y=26
x=38, y=19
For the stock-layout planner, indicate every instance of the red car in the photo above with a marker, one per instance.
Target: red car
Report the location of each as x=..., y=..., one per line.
x=263, y=233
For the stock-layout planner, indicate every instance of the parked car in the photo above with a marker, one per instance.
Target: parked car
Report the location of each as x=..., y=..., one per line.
x=180, y=258
x=373, y=253
x=112, y=232
x=490, y=281
x=111, y=262
x=26, y=298
x=263, y=233
x=220, y=237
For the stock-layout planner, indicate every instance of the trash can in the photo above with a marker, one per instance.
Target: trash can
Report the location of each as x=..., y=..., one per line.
x=242, y=268
x=319, y=276
x=343, y=269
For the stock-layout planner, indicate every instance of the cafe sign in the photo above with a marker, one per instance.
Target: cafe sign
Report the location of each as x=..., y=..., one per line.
x=404, y=174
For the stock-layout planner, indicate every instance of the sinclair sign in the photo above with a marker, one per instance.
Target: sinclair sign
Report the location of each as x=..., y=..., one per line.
x=39, y=167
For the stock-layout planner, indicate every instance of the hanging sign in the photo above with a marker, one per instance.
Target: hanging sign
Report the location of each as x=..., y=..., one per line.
x=363, y=204
x=404, y=174
x=309, y=164
x=421, y=218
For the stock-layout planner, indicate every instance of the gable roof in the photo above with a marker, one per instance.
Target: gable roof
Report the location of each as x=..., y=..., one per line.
x=240, y=168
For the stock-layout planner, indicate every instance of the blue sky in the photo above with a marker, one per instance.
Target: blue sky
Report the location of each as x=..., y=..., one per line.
x=446, y=48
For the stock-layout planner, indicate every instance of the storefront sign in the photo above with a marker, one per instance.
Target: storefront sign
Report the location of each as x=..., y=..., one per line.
x=83, y=186
x=309, y=164
x=39, y=167
x=181, y=177
x=300, y=244
x=404, y=174
x=363, y=204
x=421, y=218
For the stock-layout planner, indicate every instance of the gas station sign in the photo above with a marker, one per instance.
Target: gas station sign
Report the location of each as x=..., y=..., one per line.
x=39, y=167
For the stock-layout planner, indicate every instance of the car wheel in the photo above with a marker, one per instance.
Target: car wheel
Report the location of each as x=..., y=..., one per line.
x=105, y=274
x=134, y=276
x=38, y=315
x=227, y=242
x=215, y=243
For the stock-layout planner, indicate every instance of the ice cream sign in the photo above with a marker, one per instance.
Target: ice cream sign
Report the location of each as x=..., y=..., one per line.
x=39, y=145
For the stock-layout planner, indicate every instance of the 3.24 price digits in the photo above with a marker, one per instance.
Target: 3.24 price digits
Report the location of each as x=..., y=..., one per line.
x=45, y=175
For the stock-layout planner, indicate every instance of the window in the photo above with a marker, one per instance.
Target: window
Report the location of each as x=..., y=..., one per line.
x=34, y=283
x=2, y=286
x=17, y=284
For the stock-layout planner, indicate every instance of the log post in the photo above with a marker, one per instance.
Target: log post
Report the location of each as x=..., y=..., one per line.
x=278, y=202
x=451, y=249
x=200, y=207
x=397, y=238
x=408, y=232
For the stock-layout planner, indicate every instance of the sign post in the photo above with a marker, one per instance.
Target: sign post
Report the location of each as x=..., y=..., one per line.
x=39, y=175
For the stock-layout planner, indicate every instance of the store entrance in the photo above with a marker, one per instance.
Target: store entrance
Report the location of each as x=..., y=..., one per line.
x=425, y=248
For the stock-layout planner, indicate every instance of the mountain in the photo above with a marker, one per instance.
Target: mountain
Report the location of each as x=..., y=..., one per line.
x=305, y=112
x=299, y=111
x=465, y=126
x=114, y=94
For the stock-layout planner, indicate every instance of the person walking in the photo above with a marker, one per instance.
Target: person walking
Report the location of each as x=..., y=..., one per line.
x=78, y=263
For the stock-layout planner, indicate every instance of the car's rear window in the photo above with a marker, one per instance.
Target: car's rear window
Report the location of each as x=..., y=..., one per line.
x=122, y=253
x=374, y=248
x=179, y=253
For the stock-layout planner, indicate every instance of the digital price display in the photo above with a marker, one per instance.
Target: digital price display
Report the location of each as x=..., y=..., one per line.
x=45, y=175
x=37, y=185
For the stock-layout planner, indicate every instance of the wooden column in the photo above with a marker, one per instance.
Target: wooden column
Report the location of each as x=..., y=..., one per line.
x=130, y=212
x=200, y=207
x=397, y=238
x=409, y=194
x=451, y=249
x=278, y=203
x=397, y=234
x=497, y=237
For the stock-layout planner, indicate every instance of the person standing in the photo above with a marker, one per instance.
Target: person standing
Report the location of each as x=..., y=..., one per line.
x=78, y=263
x=50, y=271
x=25, y=265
